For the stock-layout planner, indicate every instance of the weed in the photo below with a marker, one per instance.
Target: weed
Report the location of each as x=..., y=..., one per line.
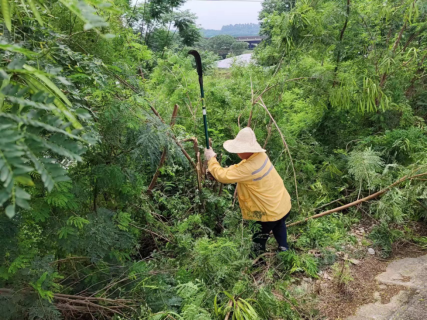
x=341, y=275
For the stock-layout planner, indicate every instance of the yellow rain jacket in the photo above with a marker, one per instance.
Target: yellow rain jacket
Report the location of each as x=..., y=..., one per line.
x=261, y=192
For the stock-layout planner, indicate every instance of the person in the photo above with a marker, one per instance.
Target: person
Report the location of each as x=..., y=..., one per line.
x=260, y=189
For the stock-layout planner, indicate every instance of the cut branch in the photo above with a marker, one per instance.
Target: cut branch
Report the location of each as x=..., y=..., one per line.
x=354, y=203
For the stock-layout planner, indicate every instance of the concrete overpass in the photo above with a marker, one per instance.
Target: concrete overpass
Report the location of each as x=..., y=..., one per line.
x=253, y=41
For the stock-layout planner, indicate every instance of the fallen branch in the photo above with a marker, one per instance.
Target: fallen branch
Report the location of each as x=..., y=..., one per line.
x=354, y=203
x=83, y=305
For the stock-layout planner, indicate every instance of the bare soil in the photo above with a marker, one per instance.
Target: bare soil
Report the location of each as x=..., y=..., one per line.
x=335, y=304
x=340, y=304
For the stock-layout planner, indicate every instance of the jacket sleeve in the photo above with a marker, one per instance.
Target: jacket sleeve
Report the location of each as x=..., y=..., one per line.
x=232, y=174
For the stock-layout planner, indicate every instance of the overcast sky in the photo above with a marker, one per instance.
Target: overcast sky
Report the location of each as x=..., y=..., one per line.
x=215, y=14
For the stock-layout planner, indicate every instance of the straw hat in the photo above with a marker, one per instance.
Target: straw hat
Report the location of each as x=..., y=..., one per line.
x=245, y=141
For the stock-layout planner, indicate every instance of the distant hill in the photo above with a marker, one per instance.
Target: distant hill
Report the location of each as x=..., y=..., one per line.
x=235, y=30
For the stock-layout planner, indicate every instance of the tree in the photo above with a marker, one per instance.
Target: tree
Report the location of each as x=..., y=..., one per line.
x=160, y=25
x=221, y=44
x=237, y=48
x=235, y=30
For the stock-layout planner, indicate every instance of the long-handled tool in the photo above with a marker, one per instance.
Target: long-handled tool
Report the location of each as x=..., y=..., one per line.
x=202, y=93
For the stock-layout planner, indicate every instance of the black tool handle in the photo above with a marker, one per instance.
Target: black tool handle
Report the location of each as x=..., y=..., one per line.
x=202, y=93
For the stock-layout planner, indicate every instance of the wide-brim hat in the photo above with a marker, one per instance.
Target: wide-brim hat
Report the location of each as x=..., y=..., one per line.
x=245, y=142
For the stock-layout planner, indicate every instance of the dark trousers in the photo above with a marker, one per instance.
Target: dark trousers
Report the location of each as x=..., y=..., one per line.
x=260, y=236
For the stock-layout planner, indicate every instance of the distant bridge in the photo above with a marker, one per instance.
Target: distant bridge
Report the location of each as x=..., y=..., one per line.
x=253, y=41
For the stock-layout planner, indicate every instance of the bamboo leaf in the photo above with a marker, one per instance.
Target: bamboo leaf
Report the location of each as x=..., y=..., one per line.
x=64, y=110
x=86, y=13
x=5, y=10
x=229, y=295
x=25, y=8
x=25, y=180
x=216, y=305
x=69, y=115
x=35, y=11
x=48, y=83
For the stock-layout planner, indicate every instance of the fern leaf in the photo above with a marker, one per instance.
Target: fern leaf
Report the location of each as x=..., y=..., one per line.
x=5, y=10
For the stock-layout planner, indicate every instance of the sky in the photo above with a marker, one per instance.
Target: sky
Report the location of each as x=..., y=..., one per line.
x=215, y=14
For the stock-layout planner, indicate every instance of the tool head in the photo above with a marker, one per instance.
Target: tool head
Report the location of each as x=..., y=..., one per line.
x=198, y=61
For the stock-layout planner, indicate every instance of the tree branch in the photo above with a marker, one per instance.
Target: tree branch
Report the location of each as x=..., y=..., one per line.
x=342, y=35
x=286, y=147
x=354, y=203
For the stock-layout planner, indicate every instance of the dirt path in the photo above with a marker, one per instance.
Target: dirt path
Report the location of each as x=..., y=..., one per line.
x=410, y=303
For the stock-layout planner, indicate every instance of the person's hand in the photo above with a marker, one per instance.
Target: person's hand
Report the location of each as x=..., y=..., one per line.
x=209, y=154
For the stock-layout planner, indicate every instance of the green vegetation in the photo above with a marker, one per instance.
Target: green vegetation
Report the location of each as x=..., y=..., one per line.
x=223, y=45
x=235, y=30
x=88, y=91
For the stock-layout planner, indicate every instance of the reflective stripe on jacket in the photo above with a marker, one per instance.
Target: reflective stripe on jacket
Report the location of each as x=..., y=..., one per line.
x=261, y=192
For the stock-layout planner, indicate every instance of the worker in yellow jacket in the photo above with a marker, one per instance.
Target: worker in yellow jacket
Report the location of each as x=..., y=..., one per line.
x=260, y=190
